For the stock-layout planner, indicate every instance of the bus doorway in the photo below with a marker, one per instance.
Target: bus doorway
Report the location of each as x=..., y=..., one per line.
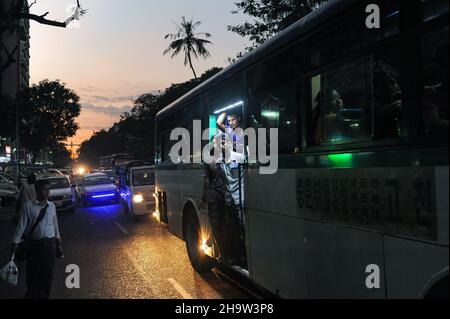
x=229, y=229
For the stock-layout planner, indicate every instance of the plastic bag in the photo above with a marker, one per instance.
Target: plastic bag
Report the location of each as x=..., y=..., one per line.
x=10, y=273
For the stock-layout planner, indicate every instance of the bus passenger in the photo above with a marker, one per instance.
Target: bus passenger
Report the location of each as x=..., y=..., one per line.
x=232, y=127
x=387, y=101
x=214, y=191
x=435, y=103
x=325, y=115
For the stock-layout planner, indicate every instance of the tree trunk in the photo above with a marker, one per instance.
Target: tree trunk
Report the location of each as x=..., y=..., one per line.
x=192, y=67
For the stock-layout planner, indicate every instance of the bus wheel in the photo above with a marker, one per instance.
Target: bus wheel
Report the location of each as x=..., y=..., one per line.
x=199, y=261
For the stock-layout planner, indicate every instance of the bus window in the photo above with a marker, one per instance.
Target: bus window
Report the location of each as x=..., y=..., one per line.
x=166, y=144
x=435, y=95
x=225, y=103
x=143, y=177
x=432, y=9
x=273, y=94
x=342, y=103
x=349, y=33
x=387, y=94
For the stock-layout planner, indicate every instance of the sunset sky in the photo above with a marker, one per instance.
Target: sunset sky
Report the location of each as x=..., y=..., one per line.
x=116, y=53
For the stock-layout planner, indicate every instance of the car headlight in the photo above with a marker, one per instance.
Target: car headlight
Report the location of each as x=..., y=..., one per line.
x=138, y=198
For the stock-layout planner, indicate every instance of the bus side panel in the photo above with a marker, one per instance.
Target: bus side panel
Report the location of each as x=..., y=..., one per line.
x=337, y=260
x=277, y=257
x=403, y=259
x=304, y=258
x=442, y=203
x=405, y=256
x=180, y=185
x=167, y=181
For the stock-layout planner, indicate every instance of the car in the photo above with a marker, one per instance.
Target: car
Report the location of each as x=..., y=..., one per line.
x=61, y=192
x=8, y=192
x=8, y=178
x=137, y=187
x=97, y=188
x=109, y=173
x=54, y=171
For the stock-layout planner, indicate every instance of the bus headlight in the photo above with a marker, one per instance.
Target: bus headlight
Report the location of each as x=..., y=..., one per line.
x=138, y=198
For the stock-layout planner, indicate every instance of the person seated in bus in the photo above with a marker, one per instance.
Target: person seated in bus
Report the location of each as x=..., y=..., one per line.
x=387, y=101
x=328, y=106
x=230, y=124
x=435, y=102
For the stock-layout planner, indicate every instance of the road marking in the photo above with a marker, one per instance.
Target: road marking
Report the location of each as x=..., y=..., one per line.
x=180, y=289
x=123, y=230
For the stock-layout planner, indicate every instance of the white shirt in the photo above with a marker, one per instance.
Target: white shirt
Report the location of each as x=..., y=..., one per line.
x=47, y=228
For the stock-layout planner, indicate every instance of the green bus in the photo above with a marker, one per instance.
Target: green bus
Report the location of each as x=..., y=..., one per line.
x=358, y=207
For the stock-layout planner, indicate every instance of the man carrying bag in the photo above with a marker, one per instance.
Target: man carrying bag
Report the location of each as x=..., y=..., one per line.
x=38, y=225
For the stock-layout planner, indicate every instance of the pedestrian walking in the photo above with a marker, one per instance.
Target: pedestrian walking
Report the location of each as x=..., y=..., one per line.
x=38, y=226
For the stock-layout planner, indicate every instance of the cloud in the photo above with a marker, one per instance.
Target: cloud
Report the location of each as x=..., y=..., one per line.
x=91, y=88
x=110, y=99
x=113, y=110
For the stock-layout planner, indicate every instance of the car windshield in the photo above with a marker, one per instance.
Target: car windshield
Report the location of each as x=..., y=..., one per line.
x=109, y=173
x=56, y=183
x=97, y=180
x=142, y=177
x=7, y=177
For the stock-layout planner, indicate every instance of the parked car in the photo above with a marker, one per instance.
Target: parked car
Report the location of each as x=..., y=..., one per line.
x=8, y=193
x=97, y=188
x=61, y=192
x=7, y=178
x=109, y=173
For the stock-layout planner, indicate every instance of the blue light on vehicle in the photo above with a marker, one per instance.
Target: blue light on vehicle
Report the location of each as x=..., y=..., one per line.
x=103, y=196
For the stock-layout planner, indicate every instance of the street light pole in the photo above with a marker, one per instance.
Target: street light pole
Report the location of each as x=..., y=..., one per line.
x=18, y=140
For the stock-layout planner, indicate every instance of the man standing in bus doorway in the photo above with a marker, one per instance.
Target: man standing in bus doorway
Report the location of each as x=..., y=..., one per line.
x=233, y=175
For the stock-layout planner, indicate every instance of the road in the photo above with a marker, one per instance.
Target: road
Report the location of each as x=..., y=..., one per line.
x=121, y=258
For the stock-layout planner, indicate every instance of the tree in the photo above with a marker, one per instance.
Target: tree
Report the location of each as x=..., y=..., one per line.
x=49, y=110
x=61, y=155
x=20, y=10
x=188, y=41
x=134, y=133
x=271, y=17
x=7, y=116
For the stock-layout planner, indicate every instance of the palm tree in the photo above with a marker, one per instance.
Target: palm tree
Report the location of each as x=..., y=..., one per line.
x=185, y=39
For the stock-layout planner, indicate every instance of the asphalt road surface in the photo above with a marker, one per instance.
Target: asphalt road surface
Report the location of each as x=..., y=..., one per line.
x=120, y=258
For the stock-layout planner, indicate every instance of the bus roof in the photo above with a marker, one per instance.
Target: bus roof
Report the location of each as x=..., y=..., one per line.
x=301, y=27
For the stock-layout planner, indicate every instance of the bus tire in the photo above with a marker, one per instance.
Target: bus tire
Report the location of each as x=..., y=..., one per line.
x=439, y=290
x=199, y=261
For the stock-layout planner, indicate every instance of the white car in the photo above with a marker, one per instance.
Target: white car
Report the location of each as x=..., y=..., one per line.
x=99, y=189
x=8, y=193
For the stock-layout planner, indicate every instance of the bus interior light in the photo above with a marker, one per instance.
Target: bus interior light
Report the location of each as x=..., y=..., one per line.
x=229, y=107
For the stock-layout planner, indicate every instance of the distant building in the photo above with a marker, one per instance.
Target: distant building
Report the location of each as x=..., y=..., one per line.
x=17, y=76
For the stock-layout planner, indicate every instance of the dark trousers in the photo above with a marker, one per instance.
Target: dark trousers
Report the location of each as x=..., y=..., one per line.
x=41, y=255
x=225, y=230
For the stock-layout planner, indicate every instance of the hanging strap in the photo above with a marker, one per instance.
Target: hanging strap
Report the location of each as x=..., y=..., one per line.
x=36, y=223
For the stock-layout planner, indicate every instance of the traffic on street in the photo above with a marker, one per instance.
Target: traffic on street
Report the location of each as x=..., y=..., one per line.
x=120, y=257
